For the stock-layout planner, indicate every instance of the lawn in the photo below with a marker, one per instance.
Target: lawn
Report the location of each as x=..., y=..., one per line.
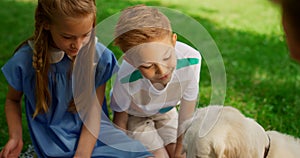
x=261, y=79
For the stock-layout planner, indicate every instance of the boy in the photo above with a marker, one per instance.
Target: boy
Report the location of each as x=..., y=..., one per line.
x=157, y=74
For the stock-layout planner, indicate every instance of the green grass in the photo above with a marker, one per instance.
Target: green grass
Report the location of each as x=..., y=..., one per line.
x=262, y=81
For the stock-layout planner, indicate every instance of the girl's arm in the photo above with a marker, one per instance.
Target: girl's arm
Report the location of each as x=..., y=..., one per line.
x=90, y=131
x=14, y=120
x=120, y=120
x=186, y=112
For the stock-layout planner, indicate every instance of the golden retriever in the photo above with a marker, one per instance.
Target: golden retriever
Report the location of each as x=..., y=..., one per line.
x=224, y=132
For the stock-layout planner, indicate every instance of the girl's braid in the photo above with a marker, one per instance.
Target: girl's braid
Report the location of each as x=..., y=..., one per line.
x=40, y=63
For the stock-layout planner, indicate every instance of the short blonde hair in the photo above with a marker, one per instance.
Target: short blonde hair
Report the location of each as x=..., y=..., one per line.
x=140, y=24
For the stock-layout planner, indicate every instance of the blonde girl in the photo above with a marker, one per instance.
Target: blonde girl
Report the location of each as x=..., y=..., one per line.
x=41, y=70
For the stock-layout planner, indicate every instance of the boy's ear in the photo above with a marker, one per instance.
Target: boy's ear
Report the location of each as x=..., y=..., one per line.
x=174, y=39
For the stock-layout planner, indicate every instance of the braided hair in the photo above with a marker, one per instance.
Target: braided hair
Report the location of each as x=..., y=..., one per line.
x=45, y=12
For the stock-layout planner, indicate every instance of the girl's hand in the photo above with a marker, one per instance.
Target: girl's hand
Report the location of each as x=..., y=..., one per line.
x=12, y=149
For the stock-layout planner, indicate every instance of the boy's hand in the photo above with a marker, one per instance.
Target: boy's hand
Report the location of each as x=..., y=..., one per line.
x=179, y=148
x=180, y=156
x=179, y=153
x=12, y=149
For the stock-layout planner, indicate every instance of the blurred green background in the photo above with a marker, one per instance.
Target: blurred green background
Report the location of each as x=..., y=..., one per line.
x=262, y=81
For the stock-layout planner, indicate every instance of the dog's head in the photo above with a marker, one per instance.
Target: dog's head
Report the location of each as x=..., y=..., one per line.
x=224, y=132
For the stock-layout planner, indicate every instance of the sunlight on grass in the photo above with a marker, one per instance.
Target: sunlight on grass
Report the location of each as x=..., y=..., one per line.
x=233, y=13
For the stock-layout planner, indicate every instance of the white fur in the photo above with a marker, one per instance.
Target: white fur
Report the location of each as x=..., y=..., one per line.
x=224, y=132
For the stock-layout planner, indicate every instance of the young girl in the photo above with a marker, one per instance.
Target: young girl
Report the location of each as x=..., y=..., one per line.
x=45, y=70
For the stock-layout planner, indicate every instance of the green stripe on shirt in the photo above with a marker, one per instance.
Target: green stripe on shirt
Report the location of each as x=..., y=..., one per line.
x=136, y=75
x=186, y=62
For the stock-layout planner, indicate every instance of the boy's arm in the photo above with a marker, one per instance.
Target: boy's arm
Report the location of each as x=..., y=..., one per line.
x=14, y=121
x=186, y=112
x=91, y=128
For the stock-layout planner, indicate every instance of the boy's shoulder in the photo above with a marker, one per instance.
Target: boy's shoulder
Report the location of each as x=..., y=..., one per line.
x=125, y=69
x=185, y=51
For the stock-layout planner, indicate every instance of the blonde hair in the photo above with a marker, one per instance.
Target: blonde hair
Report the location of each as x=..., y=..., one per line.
x=46, y=12
x=140, y=24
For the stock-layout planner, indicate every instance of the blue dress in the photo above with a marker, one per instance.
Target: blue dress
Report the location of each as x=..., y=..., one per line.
x=56, y=133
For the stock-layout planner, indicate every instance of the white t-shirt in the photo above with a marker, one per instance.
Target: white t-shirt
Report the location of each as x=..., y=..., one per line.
x=136, y=95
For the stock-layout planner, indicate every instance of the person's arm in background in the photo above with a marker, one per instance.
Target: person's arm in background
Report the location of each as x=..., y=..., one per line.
x=186, y=112
x=91, y=128
x=290, y=10
x=13, y=113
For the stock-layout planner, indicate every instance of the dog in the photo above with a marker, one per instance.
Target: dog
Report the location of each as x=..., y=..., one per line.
x=224, y=132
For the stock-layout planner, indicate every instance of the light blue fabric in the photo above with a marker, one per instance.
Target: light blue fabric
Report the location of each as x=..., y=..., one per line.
x=56, y=133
